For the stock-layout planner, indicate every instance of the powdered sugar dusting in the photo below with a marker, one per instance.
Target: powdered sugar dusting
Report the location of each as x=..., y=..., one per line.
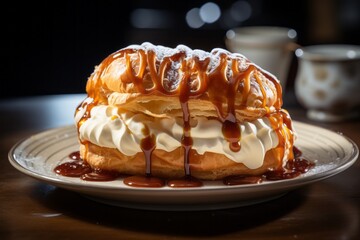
x=162, y=51
x=172, y=77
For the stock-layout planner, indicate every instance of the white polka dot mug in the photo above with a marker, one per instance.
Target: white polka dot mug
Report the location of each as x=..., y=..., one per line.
x=328, y=81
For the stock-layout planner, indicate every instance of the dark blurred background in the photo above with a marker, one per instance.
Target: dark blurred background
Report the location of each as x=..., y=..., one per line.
x=52, y=47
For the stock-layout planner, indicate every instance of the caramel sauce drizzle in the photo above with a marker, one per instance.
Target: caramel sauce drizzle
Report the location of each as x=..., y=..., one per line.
x=281, y=123
x=186, y=140
x=221, y=89
x=147, y=145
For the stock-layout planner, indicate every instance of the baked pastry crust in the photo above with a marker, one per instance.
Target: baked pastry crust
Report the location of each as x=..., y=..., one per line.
x=208, y=166
x=151, y=79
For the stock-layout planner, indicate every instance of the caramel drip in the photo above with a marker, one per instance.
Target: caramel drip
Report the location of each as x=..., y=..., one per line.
x=86, y=115
x=246, y=89
x=281, y=123
x=151, y=61
x=186, y=140
x=131, y=77
x=262, y=89
x=147, y=145
x=278, y=103
x=288, y=130
x=222, y=91
x=219, y=86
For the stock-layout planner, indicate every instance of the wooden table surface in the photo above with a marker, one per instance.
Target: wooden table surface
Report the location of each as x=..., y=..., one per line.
x=31, y=209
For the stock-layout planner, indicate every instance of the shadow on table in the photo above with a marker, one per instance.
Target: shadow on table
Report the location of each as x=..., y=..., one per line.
x=177, y=223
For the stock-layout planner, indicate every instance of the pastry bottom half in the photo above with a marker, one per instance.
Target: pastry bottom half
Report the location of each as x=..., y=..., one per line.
x=169, y=165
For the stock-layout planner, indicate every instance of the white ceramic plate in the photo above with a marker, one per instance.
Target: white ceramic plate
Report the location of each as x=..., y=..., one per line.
x=37, y=156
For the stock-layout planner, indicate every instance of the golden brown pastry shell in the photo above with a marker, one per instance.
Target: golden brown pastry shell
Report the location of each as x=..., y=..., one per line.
x=209, y=166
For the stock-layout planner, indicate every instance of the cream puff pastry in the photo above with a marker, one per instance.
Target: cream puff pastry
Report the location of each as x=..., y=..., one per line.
x=174, y=112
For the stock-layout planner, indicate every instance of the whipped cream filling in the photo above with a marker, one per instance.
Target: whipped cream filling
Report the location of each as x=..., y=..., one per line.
x=108, y=127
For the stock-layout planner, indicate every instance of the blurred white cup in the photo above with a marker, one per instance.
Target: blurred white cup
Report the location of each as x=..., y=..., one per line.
x=327, y=83
x=269, y=47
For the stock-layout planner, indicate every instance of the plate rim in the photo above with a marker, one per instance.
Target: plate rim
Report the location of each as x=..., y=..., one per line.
x=295, y=182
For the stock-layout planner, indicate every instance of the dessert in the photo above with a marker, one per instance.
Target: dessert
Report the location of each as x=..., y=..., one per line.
x=154, y=112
